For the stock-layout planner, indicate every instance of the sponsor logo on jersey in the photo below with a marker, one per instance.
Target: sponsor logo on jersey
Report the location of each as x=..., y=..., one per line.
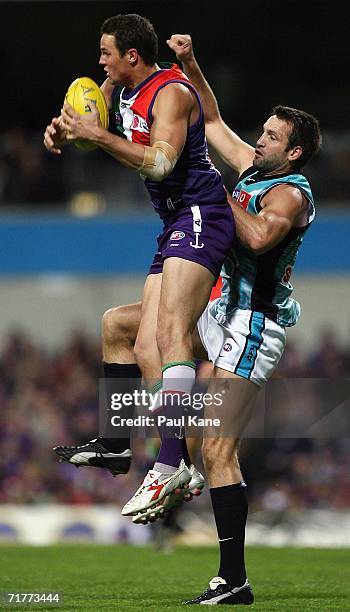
x=227, y=347
x=242, y=198
x=251, y=354
x=177, y=235
x=139, y=124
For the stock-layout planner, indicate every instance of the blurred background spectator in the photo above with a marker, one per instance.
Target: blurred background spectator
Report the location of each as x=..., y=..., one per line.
x=33, y=179
x=285, y=65
x=51, y=397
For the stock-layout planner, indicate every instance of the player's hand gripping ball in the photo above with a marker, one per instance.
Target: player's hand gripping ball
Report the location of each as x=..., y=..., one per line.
x=81, y=95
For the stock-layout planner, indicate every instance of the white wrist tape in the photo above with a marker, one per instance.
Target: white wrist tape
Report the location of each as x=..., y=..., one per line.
x=159, y=160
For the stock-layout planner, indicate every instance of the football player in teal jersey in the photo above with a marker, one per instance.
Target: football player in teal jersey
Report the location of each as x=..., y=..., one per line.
x=273, y=207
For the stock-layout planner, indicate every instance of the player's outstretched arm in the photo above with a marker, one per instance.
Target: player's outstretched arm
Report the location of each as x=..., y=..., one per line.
x=88, y=127
x=171, y=112
x=233, y=150
x=284, y=207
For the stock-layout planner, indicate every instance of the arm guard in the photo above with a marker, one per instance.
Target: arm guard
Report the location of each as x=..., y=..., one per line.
x=159, y=161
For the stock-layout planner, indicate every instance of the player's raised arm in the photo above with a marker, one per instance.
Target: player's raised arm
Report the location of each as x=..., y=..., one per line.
x=233, y=150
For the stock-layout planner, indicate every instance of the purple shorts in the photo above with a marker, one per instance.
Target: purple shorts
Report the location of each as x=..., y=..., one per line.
x=203, y=234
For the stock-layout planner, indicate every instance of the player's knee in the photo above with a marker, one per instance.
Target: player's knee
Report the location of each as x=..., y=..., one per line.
x=118, y=326
x=145, y=351
x=140, y=351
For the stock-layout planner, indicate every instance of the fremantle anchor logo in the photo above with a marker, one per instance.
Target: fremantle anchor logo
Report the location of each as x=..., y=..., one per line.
x=196, y=245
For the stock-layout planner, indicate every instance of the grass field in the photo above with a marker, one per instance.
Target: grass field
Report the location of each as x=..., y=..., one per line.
x=123, y=578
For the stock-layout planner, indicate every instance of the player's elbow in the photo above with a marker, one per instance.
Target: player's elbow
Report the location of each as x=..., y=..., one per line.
x=211, y=113
x=258, y=246
x=159, y=161
x=156, y=174
x=159, y=170
x=257, y=242
x=265, y=235
x=213, y=127
x=212, y=123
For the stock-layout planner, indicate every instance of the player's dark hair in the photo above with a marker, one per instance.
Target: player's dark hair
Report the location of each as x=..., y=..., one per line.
x=133, y=31
x=305, y=131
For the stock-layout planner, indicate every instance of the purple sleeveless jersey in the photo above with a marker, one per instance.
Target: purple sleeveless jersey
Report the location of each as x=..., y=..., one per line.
x=198, y=221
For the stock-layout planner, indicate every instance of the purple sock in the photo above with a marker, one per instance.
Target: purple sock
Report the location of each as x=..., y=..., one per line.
x=173, y=446
x=172, y=450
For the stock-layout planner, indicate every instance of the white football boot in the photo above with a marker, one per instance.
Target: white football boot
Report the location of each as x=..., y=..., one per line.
x=195, y=488
x=155, y=487
x=196, y=484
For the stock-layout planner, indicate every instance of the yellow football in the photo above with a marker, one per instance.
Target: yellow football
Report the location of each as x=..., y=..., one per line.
x=81, y=94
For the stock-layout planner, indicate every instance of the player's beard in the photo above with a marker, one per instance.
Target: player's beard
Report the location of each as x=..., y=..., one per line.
x=268, y=165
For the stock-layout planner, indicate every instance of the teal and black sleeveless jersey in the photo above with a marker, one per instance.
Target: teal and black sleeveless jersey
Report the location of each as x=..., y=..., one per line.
x=261, y=282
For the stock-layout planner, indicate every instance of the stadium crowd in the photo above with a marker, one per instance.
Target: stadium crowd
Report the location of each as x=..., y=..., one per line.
x=30, y=177
x=49, y=398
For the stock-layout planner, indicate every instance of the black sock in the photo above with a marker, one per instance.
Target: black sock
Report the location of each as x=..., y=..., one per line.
x=128, y=375
x=230, y=511
x=121, y=370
